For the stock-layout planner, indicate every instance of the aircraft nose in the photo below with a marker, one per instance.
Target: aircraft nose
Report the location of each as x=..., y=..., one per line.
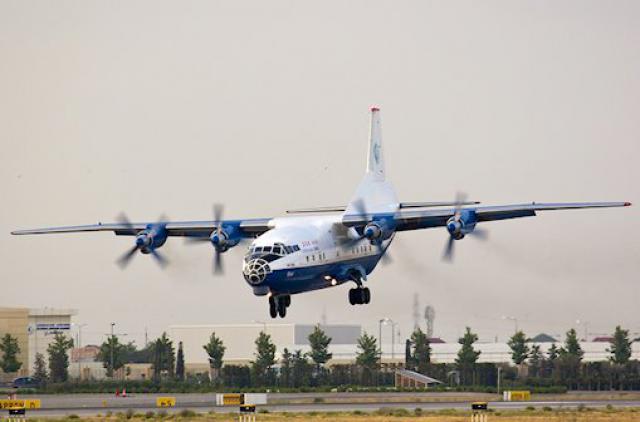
x=255, y=271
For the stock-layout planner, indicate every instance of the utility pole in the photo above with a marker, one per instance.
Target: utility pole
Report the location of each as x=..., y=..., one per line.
x=111, y=349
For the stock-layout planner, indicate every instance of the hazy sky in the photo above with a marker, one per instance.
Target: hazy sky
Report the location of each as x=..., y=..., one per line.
x=167, y=107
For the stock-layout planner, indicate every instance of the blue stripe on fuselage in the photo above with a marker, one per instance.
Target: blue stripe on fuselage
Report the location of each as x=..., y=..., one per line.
x=304, y=279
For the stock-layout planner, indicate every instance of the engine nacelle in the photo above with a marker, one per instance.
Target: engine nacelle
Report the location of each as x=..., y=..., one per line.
x=223, y=238
x=461, y=225
x=151, y=238
x=372, y=231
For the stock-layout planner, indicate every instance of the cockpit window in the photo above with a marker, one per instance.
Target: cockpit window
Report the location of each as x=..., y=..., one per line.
x=273, y=252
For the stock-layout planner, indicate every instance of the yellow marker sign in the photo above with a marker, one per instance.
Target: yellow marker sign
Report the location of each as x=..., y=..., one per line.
x=519, y=395
x=165, y=402
x=20, y=404
x=232, y=399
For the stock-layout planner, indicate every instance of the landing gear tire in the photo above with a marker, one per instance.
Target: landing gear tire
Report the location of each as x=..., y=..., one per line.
x=359, y=296
x=352, y=296
x=282, y=307
x=273, y=311
x=366, y=295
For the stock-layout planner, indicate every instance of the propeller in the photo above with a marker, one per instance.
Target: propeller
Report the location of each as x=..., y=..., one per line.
x=370, y=231
x=147, y=240
x=218, y=238
x=455, y=225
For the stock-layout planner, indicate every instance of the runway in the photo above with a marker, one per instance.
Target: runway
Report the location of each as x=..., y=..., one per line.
x=93, y=404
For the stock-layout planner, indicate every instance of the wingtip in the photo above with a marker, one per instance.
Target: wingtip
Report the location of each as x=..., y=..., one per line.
x=374, y=108
x=627, y=204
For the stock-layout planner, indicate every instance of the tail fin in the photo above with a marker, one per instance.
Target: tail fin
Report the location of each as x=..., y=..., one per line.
x=375, y=157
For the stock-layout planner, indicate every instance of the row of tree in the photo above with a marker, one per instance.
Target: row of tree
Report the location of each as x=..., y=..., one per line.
x=560, y=365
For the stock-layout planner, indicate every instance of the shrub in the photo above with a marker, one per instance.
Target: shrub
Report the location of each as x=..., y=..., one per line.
x=318, y=400
x=129, y=414
x=149, y=414
x=187, y=413
x=547, y=409
x=530, y=408
x=73, y=416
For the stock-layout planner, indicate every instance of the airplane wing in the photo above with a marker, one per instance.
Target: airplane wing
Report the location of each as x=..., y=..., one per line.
x=250, y=228
x=424, y=219
x=401, y=205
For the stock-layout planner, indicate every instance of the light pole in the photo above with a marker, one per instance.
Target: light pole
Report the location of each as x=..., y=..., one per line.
x=111, y=342
x=586, y=328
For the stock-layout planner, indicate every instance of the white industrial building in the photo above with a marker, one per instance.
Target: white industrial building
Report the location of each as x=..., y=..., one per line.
x=34, y=329
x=239, y=340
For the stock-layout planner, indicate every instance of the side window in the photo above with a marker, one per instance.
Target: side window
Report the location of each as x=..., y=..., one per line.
x=307, y=258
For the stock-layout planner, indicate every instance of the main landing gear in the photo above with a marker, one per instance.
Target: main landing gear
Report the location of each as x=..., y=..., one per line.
x=359, y=296
x=278, y=305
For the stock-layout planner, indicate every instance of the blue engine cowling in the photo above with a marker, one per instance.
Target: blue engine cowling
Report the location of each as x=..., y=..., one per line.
x=462, y=224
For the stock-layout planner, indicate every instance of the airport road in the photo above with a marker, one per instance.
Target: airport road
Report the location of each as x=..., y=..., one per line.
x=93, y=404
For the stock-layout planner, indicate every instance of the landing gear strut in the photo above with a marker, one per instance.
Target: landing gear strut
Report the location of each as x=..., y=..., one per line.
x=278, y=305
x=359, y=296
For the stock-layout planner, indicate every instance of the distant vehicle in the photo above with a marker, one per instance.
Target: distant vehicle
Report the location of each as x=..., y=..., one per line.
x=25, y=382
x=324, y=246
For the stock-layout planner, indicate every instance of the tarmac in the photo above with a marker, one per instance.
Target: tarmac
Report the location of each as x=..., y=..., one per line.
x=94, y=404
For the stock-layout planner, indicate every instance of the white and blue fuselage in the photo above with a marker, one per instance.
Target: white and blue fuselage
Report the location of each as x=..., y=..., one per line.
x=307, y=253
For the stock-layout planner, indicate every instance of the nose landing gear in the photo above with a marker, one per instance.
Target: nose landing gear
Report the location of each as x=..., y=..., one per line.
x=278, y=305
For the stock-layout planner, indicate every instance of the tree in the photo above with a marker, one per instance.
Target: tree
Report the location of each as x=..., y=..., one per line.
x=10, y=350
x=215, y=349
x=553, y=353
x=285, y=368
x=421, y=351
x=367, y=356
x=620, y=347
x=265, y=358
x=319, y=343
x=409, y=363
x=467, y=356
x=40, y=369
x=567, y=367
x=59, y=357
x=300, y=369
x=536, y=360
x=572, y=346
x=163, y=356
x=180, y=363
x=519, y=348
x=110, y=350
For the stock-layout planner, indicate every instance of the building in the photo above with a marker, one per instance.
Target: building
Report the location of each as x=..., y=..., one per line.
x=34, y=329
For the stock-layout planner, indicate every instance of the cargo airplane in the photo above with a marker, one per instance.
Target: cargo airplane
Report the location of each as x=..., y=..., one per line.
x=317, y=248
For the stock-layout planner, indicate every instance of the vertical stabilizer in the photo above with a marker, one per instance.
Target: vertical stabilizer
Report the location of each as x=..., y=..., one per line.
x=375, y=157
